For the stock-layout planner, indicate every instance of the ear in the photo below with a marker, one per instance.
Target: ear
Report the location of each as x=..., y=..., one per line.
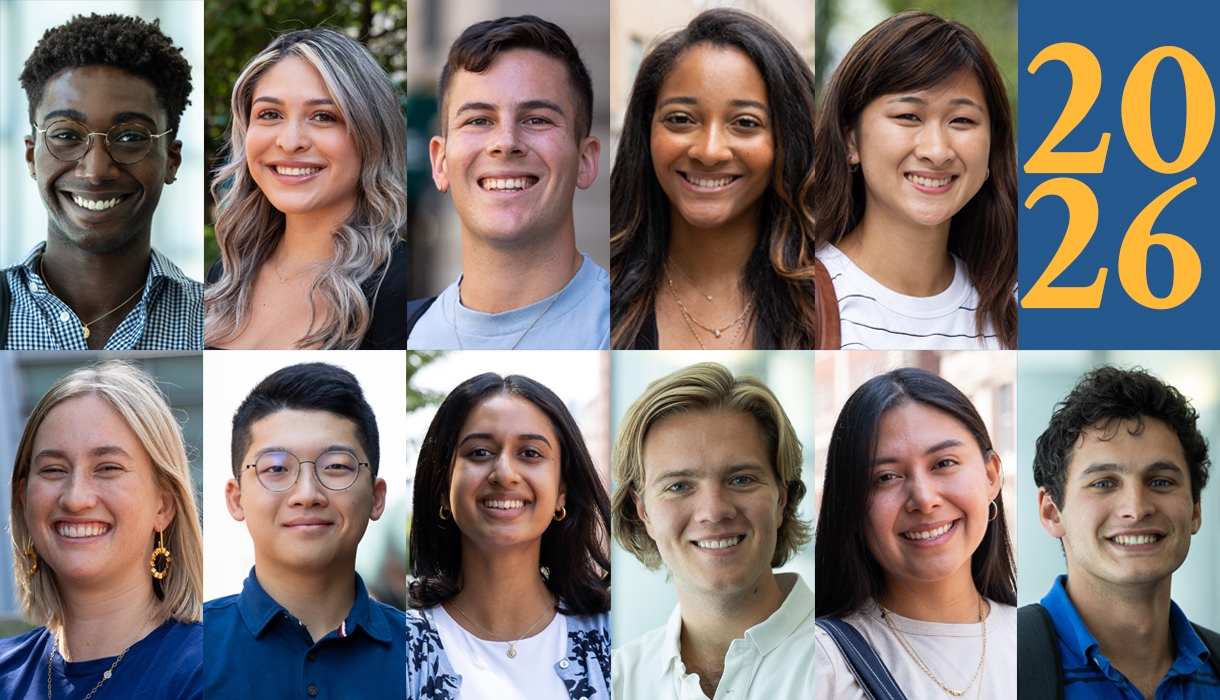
x=563, y=494
x=853, y=154
x=378, y=499
x=590, y=149
x=233, y=500
x=29, y=153
x=1049, y=514
x=995, y=476
x=639, y=508
x=1196, y=519
x=174, y=162
x=167, y=511
x=436, y=152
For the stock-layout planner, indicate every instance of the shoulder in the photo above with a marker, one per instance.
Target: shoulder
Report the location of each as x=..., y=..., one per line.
x=17, y=652
x=422, y=634
x=393, y=616
x=220, y=604
x=182, y=647
x=636, y=653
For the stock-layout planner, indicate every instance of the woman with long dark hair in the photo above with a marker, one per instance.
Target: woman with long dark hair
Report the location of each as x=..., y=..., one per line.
x=510, y=596
x=916, y=178
x=711, y=193
x=912, y=550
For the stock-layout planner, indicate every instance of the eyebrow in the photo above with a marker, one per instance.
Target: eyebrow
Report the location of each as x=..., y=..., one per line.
x=736, y=103
x=1112, y=468
x=942, y=445
x=489, y=436
x=527, y=105
x=955, y=102
x=72, y=114
x=728, y=470
x=324, y=450
x=99, y=451
x=308, y=103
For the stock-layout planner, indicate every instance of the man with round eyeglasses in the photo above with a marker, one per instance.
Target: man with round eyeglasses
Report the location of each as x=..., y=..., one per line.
x=305, y=452
x=106, y=94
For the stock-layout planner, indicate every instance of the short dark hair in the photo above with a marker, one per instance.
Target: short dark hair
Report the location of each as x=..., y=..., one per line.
x=127, y=43
x=846, y=574
x=309, y=386
x=1103, y=399
x=574, y=550
x=477, y=47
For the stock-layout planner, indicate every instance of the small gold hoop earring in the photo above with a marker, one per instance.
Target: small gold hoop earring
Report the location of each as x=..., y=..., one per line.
x=31, y=554
x=442, y=513
x=561, y=513
x=160, y=551
x=991, y=505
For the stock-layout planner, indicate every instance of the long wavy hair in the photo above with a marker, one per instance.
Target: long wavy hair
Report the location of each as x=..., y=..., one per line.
x=575, y=551
x=779, y=272
x=249, y=227
x=908, y=52
x=846, y=574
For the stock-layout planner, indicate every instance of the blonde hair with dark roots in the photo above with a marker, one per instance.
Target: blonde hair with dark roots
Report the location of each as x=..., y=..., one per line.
x=705, y=387
x=248, y=227
x=135, y=396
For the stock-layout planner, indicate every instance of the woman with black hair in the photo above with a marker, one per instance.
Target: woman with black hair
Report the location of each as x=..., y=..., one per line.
x=711, y=194
x=912, y=551
x=508, y=548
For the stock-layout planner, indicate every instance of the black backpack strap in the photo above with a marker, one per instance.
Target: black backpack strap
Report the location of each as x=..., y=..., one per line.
x=868, y=668
x=415, y=311
x=1039, y=666
x=1212, y=641
x=6, y=308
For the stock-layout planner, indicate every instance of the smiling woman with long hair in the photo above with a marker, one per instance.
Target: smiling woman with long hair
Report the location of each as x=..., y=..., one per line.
x=311, y=203
x=917, y=190
x=508, y=550
x=711, y=194
x=912, y=551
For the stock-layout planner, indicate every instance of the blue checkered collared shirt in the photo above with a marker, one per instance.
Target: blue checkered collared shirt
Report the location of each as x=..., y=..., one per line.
x=169, y=315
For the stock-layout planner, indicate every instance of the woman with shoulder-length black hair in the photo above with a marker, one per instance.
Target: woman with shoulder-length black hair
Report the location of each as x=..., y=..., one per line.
x=916, y=176
x=912, y=551
x=508, y=548
x=711, y=193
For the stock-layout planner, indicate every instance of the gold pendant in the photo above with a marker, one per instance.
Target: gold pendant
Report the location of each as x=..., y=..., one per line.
x=512, y=653
x=85, y=330
x=717, y=332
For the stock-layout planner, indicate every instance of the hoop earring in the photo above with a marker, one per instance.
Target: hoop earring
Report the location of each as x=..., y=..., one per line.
x=997, y=511
x=442, y=513
x=31, y=554
x=160, y=551
x=561, y=513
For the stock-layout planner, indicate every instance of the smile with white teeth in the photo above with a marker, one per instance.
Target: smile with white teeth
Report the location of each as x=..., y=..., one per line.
x=295, y=172
x=929, y=182
x=514, y=184
x=929, y=534
x=94, y=204
x=719, y=544
x=504, y=505
x=82, y=530
x=700, y=182
x=1135, y=539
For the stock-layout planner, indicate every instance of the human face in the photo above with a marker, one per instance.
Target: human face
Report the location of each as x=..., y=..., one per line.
x=931, y=493
x=510, y=154
x=307, y=528
x=1127, y=513
x=298, y=147
x=506, y=483
x=711, y=501
x=92, y=505
x=923, y=153
x=713, y=144
x=100, y=97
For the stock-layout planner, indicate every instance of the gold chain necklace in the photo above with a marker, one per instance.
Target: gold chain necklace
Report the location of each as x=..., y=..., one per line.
x=521, y=337
x=955, y=693
x=84, y=327
x=692, y=282
x=109, y=672
x=512, y=653
x=691, y=321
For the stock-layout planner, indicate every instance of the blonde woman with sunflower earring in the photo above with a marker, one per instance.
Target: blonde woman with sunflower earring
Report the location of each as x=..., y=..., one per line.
x=106, y=544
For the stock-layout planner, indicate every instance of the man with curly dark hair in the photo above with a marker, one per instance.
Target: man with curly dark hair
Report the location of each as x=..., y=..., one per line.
x=106, y=94
x=1119, y=471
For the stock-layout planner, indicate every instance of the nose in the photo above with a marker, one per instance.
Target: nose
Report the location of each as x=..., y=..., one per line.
x=922, y=496
x=711, y=145
x=78, y=495
x=934, y=145
x=507, y=139
x=714, y=503
x=504, y=472
x=293, y=137
x=96, y=165
x=1134, y=503
x=308, y=491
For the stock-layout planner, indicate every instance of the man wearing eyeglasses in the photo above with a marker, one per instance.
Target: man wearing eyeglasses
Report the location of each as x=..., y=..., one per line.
x=106, y=94
x=305, y=455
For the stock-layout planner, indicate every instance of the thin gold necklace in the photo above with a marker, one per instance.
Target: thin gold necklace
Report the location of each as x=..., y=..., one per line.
x=686, y=277
x=521, y=337
x=692, y=320
x=512, y=653
x=109, y=672
x=955, y=693
x=84, y=327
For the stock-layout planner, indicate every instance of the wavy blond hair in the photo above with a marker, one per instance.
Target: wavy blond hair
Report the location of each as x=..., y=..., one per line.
x=249, y=228
x=135, y=396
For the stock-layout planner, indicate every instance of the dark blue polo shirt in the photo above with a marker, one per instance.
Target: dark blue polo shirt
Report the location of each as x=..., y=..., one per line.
x=1088, y=675
x=254, y=648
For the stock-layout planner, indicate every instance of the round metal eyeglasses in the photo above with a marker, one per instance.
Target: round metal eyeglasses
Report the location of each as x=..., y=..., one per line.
x=279, y=471
x=70, y=141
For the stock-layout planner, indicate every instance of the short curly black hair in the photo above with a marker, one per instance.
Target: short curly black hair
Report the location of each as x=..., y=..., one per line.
x=1107, y=395
x=129, y=43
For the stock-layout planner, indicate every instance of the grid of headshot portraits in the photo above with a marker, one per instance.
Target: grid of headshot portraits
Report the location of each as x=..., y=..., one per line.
x=563, y=350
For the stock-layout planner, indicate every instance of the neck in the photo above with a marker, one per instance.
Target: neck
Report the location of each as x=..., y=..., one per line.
x=712, y=257
x=710, y=622
x=101, y=622
x=321, y=600
x=911, y=260
x=502, y=590
x=1130, y=623
x=496, y=279
x=92, y=284
x=308, y=239
x=953, y=600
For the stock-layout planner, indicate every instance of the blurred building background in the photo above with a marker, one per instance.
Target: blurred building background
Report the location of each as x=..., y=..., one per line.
x=26, y=375
x=435, y=232
x=1045, y=378
x=178, y=223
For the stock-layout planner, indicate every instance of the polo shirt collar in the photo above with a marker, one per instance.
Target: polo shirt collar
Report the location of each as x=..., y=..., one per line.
x=258, y=609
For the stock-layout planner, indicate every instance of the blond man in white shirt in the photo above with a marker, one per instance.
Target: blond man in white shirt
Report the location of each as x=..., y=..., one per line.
x=707, y=482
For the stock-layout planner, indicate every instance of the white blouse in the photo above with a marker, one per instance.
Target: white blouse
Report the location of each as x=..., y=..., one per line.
x=486, y=670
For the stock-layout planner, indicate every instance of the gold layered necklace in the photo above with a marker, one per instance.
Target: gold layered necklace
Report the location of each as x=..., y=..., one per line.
x=924, y=667
x=512, y=652
x=691, y=321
